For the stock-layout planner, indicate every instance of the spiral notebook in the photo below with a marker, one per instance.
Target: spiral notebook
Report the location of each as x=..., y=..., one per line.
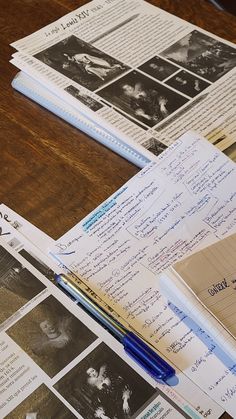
x=132, y=76
x=44, y=97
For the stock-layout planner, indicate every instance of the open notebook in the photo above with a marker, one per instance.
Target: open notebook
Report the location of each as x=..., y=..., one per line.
x=203, y=285
x=131, y=76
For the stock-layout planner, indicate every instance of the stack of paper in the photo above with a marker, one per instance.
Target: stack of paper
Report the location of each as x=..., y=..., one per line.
x=132, y=76
x=204, y=287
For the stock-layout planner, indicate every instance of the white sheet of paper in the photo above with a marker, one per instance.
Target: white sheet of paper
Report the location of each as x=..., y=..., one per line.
x=31, y=232
x=25, y=365
x=28, y=248
x=174, y=206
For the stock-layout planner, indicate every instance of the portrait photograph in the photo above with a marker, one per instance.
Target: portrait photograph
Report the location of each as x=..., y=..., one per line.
x=81, y=62
x=86, y=100
x=17, y=285
x=187, y=83
x=158, y=68
x=142, y=98
x=103, y=386
x=154, y=146
x=41, y=404
x=54, y=335
x=203, y=55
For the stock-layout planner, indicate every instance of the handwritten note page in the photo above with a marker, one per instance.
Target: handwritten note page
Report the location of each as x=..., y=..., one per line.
x=211, y=274
x=174, y=206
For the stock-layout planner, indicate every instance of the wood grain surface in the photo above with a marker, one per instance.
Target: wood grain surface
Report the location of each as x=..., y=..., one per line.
x=51, y=173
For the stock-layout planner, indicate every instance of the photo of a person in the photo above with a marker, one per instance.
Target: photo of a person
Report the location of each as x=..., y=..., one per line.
x=158, y=68
x=82, y=62
x=103, y=386
x=142, y=98
x=203, y=55
x=41, y=404
x=87, y=100
x=148, y=104
x=55, y=337
x=94, y=65
x=106, y=385
x=17, y=285
x=187, y=83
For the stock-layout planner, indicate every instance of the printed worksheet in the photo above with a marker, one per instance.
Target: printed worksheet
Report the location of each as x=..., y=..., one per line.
x=32, y=233
x=57, y=362
x=206, y=406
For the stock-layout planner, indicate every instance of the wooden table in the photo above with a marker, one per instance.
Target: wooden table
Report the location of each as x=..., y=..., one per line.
x=51, y=173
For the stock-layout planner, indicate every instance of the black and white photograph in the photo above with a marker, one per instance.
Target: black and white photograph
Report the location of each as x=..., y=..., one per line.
x=41, y=404
x=38, y=264
x=142, y=98
x=87, y=100
x=158, y=68
x=81, y=62
x=154, y=146
x=54, y=335
x=103, y=386
x=17, y=285
x=187, y=83
x=203, y=55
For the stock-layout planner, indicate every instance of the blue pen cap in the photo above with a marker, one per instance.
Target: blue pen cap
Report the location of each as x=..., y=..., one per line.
x=147, y=358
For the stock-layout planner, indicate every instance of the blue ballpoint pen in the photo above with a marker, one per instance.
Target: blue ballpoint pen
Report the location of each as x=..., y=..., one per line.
x=147, y=358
